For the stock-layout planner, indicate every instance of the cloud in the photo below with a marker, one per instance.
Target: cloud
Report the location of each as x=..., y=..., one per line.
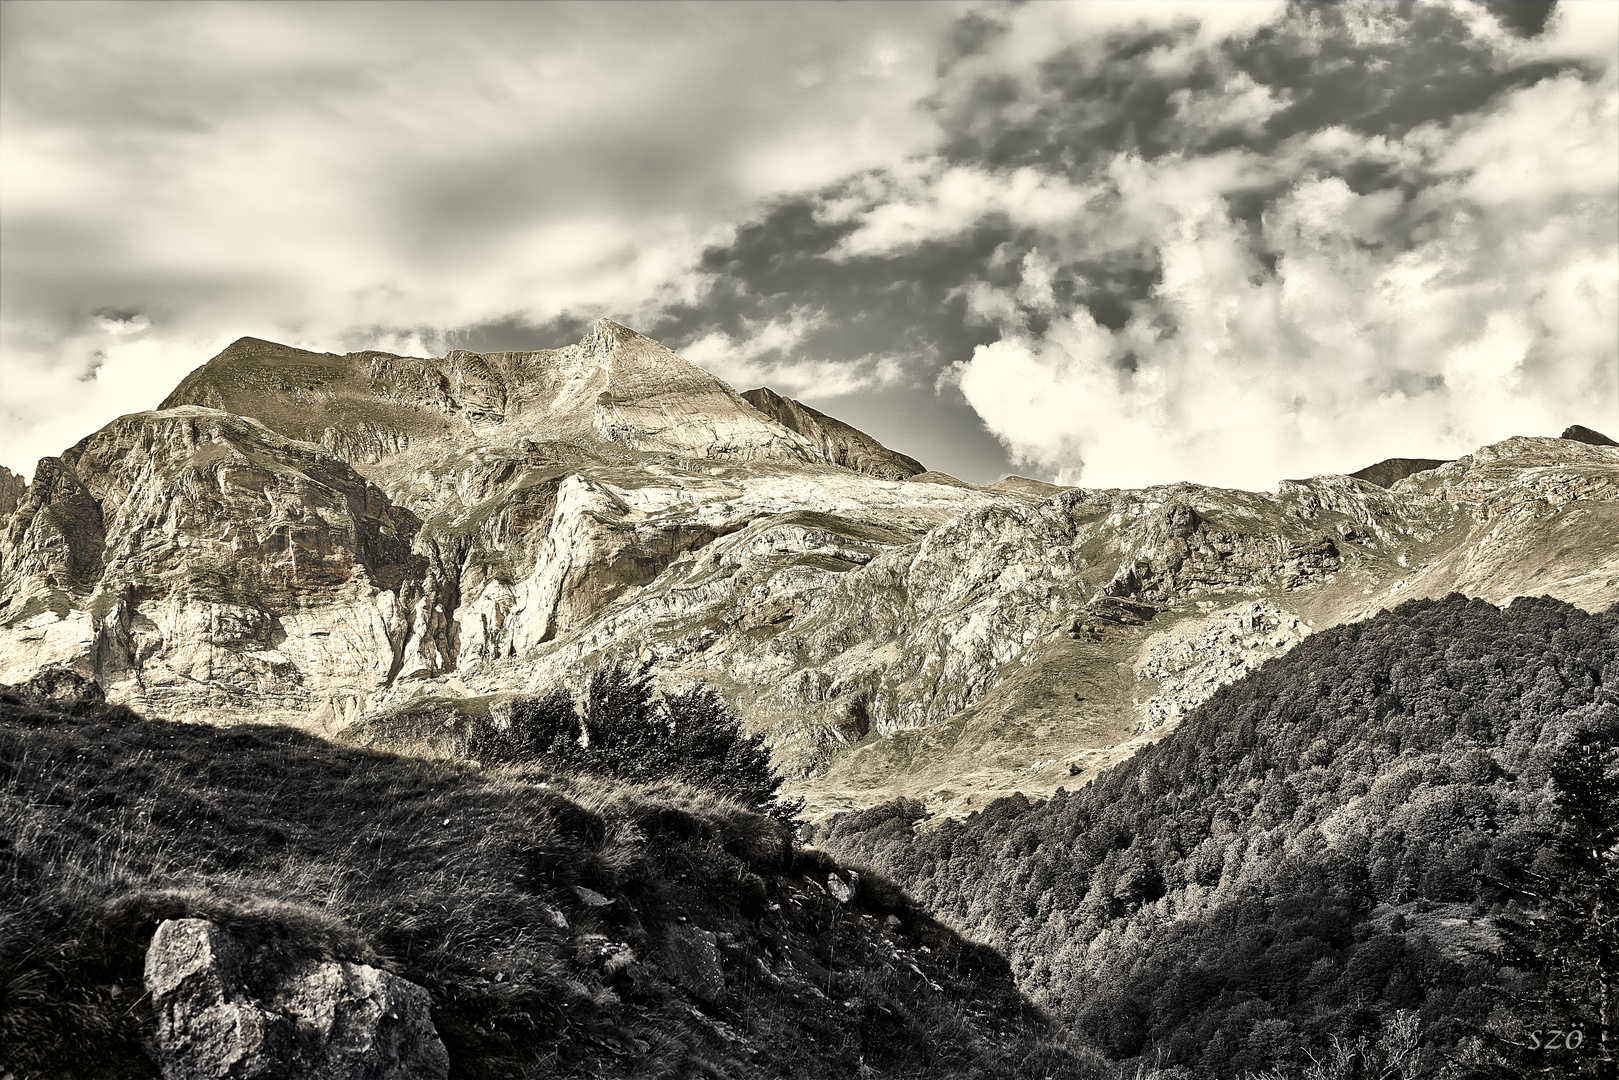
x=1479, y=306
x=769, y=354
x=949, y=201
x=1140, y=242
x=342, y=175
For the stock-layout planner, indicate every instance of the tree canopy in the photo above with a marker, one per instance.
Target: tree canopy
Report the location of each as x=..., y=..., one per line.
x=1404, y=824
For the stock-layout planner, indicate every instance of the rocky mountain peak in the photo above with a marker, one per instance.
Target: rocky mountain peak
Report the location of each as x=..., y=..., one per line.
x=605, y=335
x=1581, y=433
x=616, y=390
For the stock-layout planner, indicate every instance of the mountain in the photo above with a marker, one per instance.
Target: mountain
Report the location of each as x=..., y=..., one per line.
x=1581, y=433
x=615, y=390
x=838, y=442
x=1393, y=848
x=324, y=540
x=1388, y=472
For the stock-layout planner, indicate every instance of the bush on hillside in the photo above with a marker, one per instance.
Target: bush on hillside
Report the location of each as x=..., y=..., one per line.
x=623, y=728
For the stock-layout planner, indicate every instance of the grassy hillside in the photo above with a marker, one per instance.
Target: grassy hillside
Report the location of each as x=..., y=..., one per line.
x=1396, y=847
x=530, y=905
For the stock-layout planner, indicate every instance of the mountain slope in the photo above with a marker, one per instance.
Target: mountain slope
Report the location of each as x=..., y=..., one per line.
x=373, y=536
x=563, y=926
x=840, y=443
x=1318, y=847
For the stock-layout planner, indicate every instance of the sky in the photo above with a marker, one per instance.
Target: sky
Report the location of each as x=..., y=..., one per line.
x=1105, y=244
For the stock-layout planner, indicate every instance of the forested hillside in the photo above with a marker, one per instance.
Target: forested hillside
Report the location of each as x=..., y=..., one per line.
x=1393, y=848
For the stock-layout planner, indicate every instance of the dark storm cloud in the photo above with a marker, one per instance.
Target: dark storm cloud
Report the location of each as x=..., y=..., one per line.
x=1525, y=20
x=1410, y=64
x=1081, y=108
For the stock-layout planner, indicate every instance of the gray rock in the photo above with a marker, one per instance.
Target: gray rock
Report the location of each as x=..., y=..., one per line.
x=843, y=891
x=222, y=1014
x=691, y=958
x=64, y=686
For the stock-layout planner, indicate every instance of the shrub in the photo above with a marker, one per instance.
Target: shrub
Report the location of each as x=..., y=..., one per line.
x=542, y=727
x=622, y=727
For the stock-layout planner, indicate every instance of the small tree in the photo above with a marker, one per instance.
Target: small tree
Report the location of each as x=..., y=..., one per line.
x=706, y=747
x=542, y=727
x=627, y=730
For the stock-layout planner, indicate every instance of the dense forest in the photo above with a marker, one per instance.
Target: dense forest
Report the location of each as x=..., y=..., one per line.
x=1391, y=851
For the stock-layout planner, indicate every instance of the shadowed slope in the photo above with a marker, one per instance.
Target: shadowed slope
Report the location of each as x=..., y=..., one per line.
x=563, y=926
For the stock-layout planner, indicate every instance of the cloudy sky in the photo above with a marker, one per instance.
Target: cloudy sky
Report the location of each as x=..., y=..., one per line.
x=1110, y=244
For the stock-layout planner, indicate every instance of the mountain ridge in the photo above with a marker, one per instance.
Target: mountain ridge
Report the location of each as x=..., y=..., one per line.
x=371, y=535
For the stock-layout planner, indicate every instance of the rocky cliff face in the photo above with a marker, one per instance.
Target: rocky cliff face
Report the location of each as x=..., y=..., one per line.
x=319, y=538
x=838, y=442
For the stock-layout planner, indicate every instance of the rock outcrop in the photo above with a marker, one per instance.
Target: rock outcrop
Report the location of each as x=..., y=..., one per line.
x=1581, y=433
x=224, y=1011
x=12, y=487
x=63, y=686
x=1188, y=663
x=837, y=442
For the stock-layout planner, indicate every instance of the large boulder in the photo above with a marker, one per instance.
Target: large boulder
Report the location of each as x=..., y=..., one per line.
x=63, y=686
x=224, y=1010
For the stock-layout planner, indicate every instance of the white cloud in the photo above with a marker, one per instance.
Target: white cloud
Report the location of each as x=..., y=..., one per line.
x=1036, y=31
x=945, y=201
x=1494, y=316
x=1580, y=29
x=770, y=354
x=1239, y=104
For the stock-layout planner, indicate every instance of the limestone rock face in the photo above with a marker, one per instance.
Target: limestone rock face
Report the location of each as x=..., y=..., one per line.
x=838, y=442
x=12, y=487
x=1197, y=657
x=325, y=539
x=223, y=1011
x=201, y=557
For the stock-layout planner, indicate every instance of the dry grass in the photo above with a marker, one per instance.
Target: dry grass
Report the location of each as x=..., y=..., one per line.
x=465, y=881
